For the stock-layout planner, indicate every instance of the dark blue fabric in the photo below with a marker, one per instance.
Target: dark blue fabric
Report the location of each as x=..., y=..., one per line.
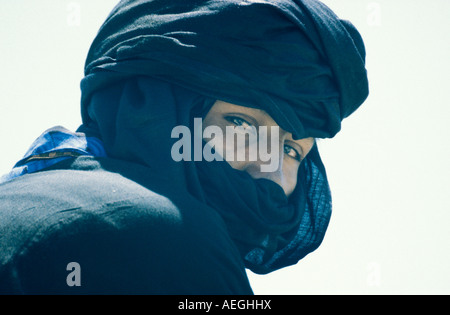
x=134, y=119
x=294, y=58
x=126, y=238
x=315, y=211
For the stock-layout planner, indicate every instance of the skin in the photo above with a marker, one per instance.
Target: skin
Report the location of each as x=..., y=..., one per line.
x=291, y=152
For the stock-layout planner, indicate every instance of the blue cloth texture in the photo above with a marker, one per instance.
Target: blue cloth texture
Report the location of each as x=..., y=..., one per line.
x=53, y=146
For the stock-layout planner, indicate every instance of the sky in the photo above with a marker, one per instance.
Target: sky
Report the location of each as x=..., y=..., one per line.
x=388, y=168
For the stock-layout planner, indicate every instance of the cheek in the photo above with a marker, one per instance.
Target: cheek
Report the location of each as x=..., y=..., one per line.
x=290, y=174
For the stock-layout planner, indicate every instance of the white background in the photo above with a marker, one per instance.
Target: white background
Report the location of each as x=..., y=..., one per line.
x=388, y=168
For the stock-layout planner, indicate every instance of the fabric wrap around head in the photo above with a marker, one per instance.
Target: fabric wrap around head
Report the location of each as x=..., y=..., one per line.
x=295, y=59
x=155, y=63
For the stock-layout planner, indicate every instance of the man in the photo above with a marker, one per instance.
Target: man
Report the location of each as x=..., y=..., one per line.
x=108, y=209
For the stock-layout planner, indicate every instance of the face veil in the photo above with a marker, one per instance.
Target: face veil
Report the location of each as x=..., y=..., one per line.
x=158, y=64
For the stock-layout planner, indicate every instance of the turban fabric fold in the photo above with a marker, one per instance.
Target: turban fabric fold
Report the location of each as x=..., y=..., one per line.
x=295, y=59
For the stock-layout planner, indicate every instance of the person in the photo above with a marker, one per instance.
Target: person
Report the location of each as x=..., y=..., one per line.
x=148, y=196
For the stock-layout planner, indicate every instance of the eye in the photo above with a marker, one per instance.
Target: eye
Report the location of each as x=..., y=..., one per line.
x=291, y=152
x=238, y=121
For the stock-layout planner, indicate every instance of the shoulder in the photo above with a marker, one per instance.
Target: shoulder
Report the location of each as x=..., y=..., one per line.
x=126, y=237
x=53, y=199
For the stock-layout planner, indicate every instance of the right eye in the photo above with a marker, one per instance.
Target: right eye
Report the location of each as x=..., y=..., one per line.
x=291, y=152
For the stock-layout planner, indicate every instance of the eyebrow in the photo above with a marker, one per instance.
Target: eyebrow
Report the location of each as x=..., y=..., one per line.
x=252, y=120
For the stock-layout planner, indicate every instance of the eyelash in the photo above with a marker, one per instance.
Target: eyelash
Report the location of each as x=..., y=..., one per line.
x=233, y=119
x=240, y=121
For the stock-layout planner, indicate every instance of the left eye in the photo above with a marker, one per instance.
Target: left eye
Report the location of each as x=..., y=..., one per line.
x=239, y=122
x=290, y=151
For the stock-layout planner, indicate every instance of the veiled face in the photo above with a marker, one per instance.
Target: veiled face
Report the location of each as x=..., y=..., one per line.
x=289, y=152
